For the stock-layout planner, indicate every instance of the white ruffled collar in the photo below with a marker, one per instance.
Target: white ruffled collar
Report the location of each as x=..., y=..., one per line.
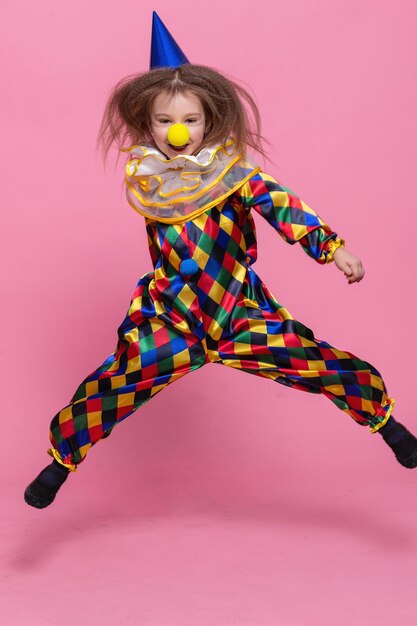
x=177, y=189
x=202, y=159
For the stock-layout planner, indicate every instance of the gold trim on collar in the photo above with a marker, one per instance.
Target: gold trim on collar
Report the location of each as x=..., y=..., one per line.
x=199, y=211
x=176, y=190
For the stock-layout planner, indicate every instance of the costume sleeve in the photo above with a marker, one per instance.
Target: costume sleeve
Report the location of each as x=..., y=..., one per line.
x=292, y=218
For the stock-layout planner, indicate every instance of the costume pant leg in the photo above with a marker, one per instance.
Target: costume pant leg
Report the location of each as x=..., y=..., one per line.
x=262, y=338
x=150, y=354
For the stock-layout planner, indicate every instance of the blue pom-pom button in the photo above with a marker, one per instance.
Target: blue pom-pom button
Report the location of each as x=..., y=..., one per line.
x=188, y=267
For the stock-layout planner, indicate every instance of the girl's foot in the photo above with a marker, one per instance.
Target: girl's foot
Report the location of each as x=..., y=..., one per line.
x=401, y=441
x=42, y=491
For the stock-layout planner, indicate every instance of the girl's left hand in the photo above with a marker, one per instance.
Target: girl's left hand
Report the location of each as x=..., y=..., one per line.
x=349, y=264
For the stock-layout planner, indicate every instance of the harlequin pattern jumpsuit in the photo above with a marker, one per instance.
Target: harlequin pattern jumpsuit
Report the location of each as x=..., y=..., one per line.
x=204, y=303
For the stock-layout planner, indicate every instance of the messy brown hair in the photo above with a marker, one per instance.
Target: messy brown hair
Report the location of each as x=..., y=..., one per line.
x=227, y=107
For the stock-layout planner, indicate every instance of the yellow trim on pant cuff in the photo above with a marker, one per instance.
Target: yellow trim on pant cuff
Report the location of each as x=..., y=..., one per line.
x=55, y=454
x=390, y=401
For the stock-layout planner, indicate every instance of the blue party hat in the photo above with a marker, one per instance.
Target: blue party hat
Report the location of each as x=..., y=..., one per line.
x=165, y=52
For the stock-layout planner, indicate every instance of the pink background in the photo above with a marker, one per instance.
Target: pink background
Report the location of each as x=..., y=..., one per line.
x=227, y=499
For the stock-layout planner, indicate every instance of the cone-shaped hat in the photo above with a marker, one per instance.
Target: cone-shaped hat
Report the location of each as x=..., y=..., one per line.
x=165, y=52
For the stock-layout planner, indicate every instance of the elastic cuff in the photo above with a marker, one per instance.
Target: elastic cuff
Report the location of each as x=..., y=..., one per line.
x=331, y=246
x=382, y=417
x=55, y=454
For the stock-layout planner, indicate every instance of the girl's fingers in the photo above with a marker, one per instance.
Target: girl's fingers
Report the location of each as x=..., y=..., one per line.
x=355, y=278
x=355, y=274
x=353, y=270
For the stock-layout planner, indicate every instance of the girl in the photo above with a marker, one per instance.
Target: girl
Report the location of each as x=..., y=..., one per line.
x=187, y=174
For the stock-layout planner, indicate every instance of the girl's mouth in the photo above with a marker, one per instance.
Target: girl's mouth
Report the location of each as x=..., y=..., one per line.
x=178, y=148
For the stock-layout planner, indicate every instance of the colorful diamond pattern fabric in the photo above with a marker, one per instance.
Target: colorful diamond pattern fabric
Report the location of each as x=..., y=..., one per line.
x=222, y=313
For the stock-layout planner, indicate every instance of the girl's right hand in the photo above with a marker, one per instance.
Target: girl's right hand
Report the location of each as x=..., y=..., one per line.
x=350, y=264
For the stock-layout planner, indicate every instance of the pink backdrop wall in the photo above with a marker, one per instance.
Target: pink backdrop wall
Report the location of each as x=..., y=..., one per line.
x=335, y=83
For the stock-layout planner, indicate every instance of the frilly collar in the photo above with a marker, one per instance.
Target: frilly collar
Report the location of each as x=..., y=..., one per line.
x=178, y=189
x=202, y=159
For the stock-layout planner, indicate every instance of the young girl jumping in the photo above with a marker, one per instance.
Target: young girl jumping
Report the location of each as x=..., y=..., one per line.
x=188, y=176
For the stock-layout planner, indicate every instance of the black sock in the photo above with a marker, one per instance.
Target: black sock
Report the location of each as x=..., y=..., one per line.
x=42, y=490
x=401, y=441
x=393, y=432
x=54, y=475
x=57, y=474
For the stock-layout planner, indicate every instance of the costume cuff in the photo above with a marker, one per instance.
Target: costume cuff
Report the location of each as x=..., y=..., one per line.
x=331, y=246
x=55, y=454
x=381, y=418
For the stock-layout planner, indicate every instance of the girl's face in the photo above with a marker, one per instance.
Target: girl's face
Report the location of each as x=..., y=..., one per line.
x=180, y=108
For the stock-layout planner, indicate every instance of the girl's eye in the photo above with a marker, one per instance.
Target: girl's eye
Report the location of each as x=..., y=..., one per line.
x=190, y=120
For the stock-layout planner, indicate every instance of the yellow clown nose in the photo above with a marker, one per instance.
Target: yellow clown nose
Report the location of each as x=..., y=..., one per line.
x=178, y=134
